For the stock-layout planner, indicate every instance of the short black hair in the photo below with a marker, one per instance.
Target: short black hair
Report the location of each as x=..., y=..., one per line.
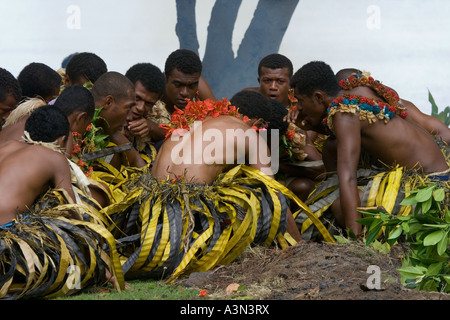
x=252, y=104
x=112, y=83
x=184, y=60
x=276, y=61
x=347, y=72
x=87, y=65
x=76, y=98
x=149, y=75
x=9, y=85
x=255, y=105
x=38, y=79
x=47, y=123
x=277, y=115
x=315, y=75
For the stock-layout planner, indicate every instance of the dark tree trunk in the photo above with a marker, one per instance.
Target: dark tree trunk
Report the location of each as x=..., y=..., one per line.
x=226, y=74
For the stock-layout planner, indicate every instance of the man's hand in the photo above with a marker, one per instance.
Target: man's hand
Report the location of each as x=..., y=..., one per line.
x=291, y=116
x=139, y=127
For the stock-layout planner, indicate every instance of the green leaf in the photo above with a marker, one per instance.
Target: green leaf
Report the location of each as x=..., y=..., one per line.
x=395, y=233
x=414, y=227
x=442, y=245
x=412, y=272
x=426, y=205
x=425, y=193
x=342, y=239
x=409, y=200
x=434, y=269
x=376, y=225
x=366, y=221
x=381, y=247
x=433, y=238
x=373, y=231
x=438, y=226
x=439, y=194
x=434, y=107
x=405, y=226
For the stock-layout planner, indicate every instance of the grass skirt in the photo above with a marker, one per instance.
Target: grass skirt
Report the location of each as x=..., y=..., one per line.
x=47, y=254
x=172, y=228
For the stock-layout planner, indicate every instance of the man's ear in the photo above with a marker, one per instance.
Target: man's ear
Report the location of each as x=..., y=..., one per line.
x=80, y=117
x=320, y=97
x=108, y=102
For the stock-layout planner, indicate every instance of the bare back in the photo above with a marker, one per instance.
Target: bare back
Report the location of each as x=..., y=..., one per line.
x=27, y=171
x=209, y=148
x=387, y=142
x=398, y=142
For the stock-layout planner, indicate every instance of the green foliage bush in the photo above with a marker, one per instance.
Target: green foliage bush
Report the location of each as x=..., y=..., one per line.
x=426, y=231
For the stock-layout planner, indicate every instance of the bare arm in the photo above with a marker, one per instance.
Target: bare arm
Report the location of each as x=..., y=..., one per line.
x=348, y=136
x=134, y=159
x=204, y=90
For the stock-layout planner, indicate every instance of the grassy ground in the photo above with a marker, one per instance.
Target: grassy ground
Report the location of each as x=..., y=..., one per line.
x=141, y=290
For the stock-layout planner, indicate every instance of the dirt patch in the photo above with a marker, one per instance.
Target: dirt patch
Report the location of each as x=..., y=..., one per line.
x=310, y=271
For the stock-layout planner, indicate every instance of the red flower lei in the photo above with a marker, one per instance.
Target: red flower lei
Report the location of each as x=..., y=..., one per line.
x=391, y=108
x=198, y=111
x=383, y=91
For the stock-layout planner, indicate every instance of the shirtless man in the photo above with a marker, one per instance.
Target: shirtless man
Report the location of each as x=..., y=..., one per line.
x=186, y=156
x=27, y=171
x=395, y=142
x=115, y=94
x=433, y=125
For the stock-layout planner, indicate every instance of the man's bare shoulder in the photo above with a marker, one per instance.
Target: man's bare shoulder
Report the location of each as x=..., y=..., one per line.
x=36, y=152
x=225, y=122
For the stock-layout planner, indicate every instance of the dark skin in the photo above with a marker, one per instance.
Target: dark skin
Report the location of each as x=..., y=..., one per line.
x=274, y=84
x=179, y=87
x=28, y=171
x=431, y=124
x=397, y=142
x=6, y=106
x=114, y=113
x=211, y=165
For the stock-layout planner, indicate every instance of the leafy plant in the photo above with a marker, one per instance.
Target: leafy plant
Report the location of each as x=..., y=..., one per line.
x=444, y=116
x=426, y=231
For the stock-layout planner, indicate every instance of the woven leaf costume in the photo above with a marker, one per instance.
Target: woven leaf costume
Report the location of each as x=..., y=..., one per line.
x=47, y=254
x=170, y=228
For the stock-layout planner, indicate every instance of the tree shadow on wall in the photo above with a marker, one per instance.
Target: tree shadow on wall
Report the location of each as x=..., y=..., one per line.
x=225, y=73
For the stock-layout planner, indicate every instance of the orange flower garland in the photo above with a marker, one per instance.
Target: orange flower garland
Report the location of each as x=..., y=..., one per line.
x=198, y=111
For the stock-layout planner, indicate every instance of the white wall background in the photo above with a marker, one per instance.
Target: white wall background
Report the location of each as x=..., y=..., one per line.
x=404, y=43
